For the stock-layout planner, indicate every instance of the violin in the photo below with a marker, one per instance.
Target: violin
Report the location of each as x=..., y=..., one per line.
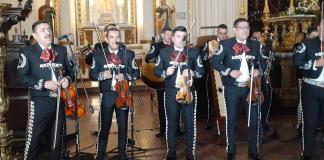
x=68, y=96
x=124, y=99
x=184, y=95
x=256, y=94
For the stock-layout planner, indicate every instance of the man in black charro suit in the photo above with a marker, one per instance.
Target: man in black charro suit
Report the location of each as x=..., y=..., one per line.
x=234, y=60
x=172, y=63
x=117, y=65
x=37, y=70
x=310, y=60
x=222, y=31
x=152, y=56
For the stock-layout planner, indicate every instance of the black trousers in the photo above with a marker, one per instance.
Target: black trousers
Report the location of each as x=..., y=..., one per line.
x=265, y=109
x=234, y=96
x=172, y=109
x=108, y=106
x=161, y=111
x=211, y=115
x=41, y=114
x=313, y=103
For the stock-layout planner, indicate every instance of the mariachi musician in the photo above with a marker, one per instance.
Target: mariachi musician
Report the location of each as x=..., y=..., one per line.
x=309, y=58
x=112, y=66
x=221, y=35
x=234, y=60
x=36, y=70
x=152, y=56
x=178, y=64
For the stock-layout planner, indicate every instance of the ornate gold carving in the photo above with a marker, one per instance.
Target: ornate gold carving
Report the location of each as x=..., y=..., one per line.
x=5, y=152
x=242, y=9
x=290, y=28
x=265, y=20
x=291, y=9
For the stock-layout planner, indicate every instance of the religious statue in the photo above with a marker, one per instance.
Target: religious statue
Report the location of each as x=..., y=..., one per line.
x=47, y=13
x=165, y=15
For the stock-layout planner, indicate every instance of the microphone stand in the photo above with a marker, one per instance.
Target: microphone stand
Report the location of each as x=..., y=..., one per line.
x=74, y=60
x=259, y=104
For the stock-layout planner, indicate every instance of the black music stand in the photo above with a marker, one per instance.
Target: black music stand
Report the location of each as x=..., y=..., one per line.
x=130, y=141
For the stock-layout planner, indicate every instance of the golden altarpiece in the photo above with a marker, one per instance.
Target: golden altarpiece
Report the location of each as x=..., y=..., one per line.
x=287, y=30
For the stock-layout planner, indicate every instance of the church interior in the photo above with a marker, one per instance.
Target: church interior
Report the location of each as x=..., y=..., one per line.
x=80, y=24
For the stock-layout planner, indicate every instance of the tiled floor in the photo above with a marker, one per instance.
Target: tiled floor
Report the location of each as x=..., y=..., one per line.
x=209, y=146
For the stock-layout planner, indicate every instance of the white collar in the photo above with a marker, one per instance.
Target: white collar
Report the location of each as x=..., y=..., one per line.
x=243, y=42
x=177, y=49
x=111, y=51
x=164, y=42
x=43, y=47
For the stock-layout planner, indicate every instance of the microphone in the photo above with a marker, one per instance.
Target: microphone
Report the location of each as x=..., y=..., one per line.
x=64, y=36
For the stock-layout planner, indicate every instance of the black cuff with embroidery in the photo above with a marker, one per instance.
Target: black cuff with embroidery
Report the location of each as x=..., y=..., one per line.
x=40, y=85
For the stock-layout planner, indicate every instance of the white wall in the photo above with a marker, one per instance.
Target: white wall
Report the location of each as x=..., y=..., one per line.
x=213, y=13
x=148, y=20
x=67, y=18
x=181, y=7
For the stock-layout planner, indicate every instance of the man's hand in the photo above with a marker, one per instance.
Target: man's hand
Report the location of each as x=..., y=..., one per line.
x=235, y=73
x=64, y=82
x=120, y=77
x=211, y=54
x=319, y=62
x=185, y=73
x=51, y=85
x=107, y=75
x=256, y=73
x=170, y=70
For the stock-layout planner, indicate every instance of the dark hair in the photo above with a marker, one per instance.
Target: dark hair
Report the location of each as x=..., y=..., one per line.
x=179, y=28
x=239, y=20
x=311, y=29
x=113, y=29
x=222, y=26
x=110, y=25
x=35, y=24
x=166, y=29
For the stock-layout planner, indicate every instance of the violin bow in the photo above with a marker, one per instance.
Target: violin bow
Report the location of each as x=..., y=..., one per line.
x=250, y=95
x=321, y=26
x=58, y=101
x=189, y=70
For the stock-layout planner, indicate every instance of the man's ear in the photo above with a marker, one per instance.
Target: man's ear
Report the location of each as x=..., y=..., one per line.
x=34, y=35
x=234, y=30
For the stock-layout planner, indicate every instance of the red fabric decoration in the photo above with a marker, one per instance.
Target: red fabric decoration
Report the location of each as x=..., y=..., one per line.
x=239, y=48
x=114, y=59
x=182, y=57
x=47, y=55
